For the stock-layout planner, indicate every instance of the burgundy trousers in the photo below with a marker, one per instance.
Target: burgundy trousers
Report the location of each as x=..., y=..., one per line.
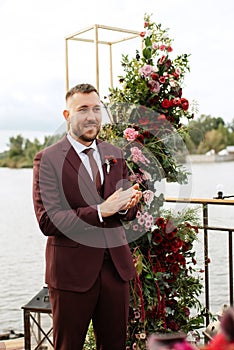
x=106, y=304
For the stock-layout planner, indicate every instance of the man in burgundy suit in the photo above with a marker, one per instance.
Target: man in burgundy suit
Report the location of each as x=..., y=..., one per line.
x=88, y=260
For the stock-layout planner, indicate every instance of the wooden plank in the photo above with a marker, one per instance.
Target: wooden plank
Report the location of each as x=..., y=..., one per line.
x=12, y=344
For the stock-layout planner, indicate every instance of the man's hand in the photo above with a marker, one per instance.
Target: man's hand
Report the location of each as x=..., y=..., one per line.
x=120, y=200
x=135, y=198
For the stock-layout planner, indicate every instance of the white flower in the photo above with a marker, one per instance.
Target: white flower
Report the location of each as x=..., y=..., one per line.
x=148, y=33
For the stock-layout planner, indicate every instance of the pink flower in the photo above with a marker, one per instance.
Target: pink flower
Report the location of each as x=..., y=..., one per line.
x=138, y=156
x=146, y=176
x=148, y=224
x=130, y=134
x=154, y=86
x=162, y=117
x=162, y=59
x=172, y=83
x=141, y=221
x=146, y=70
x=148, y=197
x=162, y=79
x=155, y=46
x=150, y=218
x=138, y=214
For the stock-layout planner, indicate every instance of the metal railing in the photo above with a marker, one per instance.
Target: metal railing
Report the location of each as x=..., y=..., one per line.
x=206, y=227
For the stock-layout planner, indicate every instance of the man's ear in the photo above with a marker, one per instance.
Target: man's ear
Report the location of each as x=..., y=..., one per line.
x=66, y=114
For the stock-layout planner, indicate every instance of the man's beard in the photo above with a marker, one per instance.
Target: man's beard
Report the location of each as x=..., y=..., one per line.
x=84, y=136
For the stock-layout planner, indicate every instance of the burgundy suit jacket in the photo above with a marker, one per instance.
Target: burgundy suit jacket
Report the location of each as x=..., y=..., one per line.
x=65, y=201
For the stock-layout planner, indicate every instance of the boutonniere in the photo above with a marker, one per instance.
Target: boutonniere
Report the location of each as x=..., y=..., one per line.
x=109, y=161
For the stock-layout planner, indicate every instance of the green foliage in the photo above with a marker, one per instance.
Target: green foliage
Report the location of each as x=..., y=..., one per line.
x=208, y=133
x=90, y=343
x=22, y=151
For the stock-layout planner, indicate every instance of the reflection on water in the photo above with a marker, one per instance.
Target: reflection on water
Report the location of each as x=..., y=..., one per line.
x=22, y=244
x=21, y=247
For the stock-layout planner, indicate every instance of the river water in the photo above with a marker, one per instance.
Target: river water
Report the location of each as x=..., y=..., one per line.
x=22, y=244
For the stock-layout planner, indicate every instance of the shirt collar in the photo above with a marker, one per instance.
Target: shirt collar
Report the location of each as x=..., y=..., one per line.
x=79, y=147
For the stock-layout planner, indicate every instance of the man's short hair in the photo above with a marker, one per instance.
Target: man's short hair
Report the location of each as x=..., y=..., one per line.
x=81, y=88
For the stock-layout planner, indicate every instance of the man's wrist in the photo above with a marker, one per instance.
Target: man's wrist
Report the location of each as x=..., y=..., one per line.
x=99, y=213
x=123, y=212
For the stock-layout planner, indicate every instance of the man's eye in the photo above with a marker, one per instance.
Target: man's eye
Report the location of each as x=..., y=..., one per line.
x=97, y=109
x=83, y=110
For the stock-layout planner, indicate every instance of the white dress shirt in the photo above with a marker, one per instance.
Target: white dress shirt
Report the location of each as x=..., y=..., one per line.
x=79, y=148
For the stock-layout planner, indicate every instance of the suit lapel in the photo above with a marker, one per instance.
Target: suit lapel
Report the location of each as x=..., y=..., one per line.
x=75, y=162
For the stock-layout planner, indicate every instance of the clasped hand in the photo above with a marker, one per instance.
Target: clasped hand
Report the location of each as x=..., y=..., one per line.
x=121, y=200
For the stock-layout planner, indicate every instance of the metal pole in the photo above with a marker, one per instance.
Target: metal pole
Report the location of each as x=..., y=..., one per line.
x=111, y=66
x=205, y=224
x=27, y=334
x=66, y=62
x=96, y=55
x=230, y=267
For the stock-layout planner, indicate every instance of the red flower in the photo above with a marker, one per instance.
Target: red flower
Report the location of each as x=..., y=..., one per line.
x=173, y=325
x=184, y=104
x=162, y=79
x=140, y=138
x=170, y=235
x=175, y=101
x=154, y=76
x=142, y=34
x=181, y=259
x=175, y=269
x=170, y=258
x=186, y=312
x=146, y=134
x=186, y=246
x=175, y=75
x=157, y=237
x=159, y=222
x=166, y=103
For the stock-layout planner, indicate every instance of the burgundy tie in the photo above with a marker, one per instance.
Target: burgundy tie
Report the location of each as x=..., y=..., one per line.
x=94, y=168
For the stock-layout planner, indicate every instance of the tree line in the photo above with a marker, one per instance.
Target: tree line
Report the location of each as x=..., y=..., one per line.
x=203, y=134
x=22, y=151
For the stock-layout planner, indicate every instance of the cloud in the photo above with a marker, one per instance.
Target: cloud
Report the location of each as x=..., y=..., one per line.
x=32, y=69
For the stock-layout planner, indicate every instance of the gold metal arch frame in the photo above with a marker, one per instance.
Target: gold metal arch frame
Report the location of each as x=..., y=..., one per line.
x=92, y=35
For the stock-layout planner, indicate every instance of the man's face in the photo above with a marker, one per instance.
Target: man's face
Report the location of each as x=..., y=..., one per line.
x=84, y=116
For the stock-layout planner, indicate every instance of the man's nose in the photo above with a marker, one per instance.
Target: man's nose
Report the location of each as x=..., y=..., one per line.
x=91, y=114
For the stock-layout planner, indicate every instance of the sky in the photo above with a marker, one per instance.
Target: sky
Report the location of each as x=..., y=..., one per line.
x=32, y=61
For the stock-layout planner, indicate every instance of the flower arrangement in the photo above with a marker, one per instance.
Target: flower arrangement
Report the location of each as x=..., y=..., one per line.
x=167, y=284
x=146, y=114
x=153, y=79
